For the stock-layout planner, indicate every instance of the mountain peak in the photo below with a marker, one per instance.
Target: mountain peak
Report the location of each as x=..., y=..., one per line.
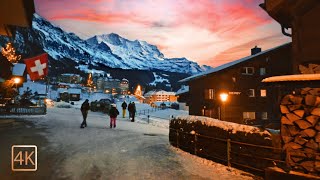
x=112, y=50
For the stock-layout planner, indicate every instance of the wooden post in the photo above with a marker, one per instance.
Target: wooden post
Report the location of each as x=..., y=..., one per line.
x=228, y=152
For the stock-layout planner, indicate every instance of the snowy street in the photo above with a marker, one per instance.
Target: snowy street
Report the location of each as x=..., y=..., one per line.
x=131, y=151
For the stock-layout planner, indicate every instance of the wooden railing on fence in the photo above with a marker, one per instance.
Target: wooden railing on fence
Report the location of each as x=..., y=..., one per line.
x=233, y=153
x=22, y=110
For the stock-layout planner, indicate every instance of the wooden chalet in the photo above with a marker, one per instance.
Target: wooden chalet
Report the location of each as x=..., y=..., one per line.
x=249, y=100
x=302, y=17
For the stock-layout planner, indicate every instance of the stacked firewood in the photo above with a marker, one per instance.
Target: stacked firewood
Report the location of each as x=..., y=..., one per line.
x=310, y=69
x=300, y=130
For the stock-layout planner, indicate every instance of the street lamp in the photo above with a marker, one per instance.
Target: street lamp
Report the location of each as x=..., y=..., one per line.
x=224, y=98
x=16, y=81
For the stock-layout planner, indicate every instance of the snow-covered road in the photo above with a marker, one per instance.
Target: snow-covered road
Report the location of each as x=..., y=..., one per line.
x=131, y=151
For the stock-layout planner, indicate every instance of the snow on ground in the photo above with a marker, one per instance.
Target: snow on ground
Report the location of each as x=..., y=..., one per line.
x=34, y=87
x=159, y=79
x=131, y=151
x=161, y=118
x=203, y=166
x=85, y=68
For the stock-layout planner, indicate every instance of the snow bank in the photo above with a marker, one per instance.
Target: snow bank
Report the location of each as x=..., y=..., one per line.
x=228, y=126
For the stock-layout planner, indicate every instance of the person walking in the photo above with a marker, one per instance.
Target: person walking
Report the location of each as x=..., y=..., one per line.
x=133, y=111
x=130, y=110
x=113, y=113
x=124, y=108
x=84, y=110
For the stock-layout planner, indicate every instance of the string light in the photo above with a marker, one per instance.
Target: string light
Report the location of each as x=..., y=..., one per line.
x=10, y=53
x=89, y=81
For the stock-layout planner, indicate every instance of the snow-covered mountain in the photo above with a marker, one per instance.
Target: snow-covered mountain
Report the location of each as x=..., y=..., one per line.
x=142, y=55
x=110, y=50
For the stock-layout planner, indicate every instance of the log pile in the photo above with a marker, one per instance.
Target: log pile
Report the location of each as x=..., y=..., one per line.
x=310, y=69
x=300, y=130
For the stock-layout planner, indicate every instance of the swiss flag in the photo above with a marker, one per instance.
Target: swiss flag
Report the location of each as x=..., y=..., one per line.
x=37, y=67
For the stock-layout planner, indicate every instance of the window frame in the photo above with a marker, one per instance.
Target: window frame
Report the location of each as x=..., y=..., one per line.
x=248, y=113
x=247, y=70
x=253, y=93
x=264, y=115
x=210, y=94
x=264, y=71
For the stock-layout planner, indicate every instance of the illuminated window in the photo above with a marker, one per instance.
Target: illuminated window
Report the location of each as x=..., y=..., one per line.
x=209, y=94
x=263, y=93
x=249, y=115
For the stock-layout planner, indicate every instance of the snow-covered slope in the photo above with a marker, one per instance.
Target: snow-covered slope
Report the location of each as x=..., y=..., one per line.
x=110, y=50
x=142, y=55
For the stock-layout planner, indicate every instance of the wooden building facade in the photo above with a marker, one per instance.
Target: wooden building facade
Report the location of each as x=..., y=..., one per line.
x=249, y=100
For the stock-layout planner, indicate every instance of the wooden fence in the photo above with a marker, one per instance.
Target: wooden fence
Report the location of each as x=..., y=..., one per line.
x=21, y=110
x=231, y=150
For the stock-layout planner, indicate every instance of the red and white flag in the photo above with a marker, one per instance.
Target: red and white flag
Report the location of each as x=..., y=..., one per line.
x=37, y=67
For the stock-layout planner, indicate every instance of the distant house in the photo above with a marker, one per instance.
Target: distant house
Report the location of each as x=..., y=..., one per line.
x=63, y=94
x=74, y=94
x=70, y=78
x=160, y=96
x=109, y=85
x=248, y=99
x=183, y=94
x=71, y=94
x=183, y=97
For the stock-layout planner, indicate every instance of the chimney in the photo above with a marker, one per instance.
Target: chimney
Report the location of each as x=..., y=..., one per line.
x=255, y=50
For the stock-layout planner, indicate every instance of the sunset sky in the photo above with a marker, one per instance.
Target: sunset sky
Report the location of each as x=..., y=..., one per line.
x=211, y=32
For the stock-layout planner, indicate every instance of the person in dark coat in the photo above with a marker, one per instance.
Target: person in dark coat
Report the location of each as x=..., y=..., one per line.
x=133, y=111
x=130, y=110
x=84, y=110
x=124, y=108
x=113, y=113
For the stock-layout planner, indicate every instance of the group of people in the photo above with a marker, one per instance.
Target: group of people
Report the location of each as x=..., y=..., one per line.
x=131, y=109
x=113, y=112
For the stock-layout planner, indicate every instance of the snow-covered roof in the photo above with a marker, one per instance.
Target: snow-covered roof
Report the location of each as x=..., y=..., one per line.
x=165, y=93
x=18, y=69
x=230, y=64
x=62, y=90
x=182, y=90
x=297, y=77
x=68, y=74
x=74, y=91
x=149, y=93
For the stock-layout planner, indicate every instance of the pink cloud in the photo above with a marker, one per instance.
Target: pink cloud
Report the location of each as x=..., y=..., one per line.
x=244, y=49
x=233, y=24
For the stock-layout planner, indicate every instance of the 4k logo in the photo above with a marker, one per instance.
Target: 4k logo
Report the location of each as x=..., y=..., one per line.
x=24, y=158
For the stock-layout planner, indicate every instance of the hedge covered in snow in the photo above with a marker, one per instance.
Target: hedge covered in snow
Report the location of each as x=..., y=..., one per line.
x=207, y=137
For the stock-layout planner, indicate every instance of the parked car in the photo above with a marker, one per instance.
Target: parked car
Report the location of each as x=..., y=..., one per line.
x=175, y=106
x=103, y=105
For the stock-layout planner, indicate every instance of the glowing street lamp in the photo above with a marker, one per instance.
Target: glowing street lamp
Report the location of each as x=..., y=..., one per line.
x=16, y=80
x=224, y=98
